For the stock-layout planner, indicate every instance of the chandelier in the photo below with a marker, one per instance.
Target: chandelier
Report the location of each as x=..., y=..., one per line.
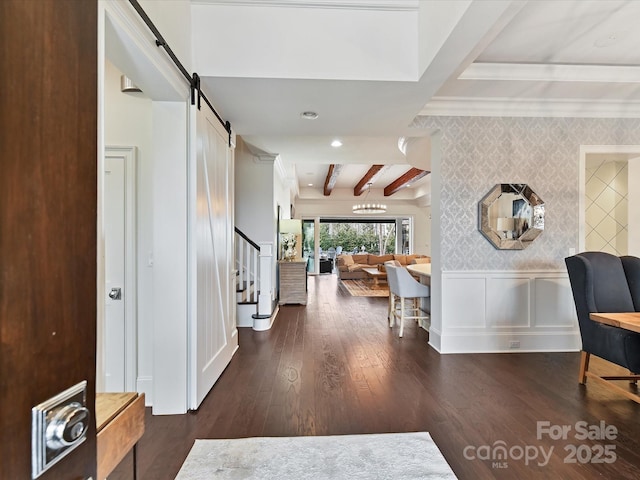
x=366, y=208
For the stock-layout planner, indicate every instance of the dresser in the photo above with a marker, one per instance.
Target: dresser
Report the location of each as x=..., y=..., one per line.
x=293, y=282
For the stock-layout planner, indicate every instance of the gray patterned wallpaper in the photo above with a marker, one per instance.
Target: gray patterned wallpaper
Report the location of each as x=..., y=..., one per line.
x=478, y=152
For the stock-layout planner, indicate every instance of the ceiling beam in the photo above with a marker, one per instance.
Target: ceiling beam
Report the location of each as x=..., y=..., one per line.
x=369, y=177
x=403, y=180
x=332, y=177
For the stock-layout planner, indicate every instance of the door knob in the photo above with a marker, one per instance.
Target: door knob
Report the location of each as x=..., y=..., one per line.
x=66, y=426
x=115, y=293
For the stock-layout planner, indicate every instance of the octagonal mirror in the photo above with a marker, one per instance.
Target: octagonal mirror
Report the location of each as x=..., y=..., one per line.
x=511, y=216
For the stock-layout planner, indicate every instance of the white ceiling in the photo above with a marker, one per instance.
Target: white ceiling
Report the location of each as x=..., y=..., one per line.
x=263, y=62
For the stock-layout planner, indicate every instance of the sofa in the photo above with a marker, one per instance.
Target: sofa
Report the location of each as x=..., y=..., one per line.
x=350, y=266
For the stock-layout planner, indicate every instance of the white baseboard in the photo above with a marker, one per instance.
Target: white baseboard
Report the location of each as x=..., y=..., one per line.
x=243, y=314
x=505, y=342
x=262, y=324
x=145, y=385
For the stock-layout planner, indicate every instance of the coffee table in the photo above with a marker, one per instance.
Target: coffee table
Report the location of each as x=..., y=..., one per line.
x=375, y=275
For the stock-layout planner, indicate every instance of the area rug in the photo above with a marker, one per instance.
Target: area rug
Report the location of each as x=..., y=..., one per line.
x=377, y=456
x=362, y=288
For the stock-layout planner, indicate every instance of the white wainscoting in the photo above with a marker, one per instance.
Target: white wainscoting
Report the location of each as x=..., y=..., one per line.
x=507, y=311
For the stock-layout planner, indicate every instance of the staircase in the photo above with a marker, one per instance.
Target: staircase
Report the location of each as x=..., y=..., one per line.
x=254, y=292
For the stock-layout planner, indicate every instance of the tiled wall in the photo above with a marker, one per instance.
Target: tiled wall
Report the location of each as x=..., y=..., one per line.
x=606, y=206
x=479, y=152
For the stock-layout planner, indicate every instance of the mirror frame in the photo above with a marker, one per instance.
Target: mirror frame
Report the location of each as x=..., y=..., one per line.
x=537, y=216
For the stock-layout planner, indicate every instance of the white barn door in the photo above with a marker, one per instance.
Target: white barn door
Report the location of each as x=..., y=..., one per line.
x=212, y=334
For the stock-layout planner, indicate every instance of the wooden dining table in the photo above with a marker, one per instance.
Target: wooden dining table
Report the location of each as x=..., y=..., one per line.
x=626, y=320
x=421, y=270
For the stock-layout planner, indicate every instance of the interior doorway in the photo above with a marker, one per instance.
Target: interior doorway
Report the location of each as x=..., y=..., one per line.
x=607, y=224
x=155, y=120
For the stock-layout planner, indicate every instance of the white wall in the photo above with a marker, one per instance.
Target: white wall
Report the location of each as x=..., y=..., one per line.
x=498, y=311
x=173, y=19
x=634, y=213
x=422, y=231
x=281, y=195
x=127, y=122
x=254, y=195
x=475, y=154
x=169, y=336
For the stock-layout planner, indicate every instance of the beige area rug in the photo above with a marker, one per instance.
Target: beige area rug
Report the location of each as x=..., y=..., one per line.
x=362, y=288
x=403, y=456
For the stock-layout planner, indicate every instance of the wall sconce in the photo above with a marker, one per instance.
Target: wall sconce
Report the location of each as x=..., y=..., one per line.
x=127, y=85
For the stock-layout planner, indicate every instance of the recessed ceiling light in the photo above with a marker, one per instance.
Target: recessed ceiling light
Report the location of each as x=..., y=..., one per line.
x=336, y=143
x=309, y=115
x=310, y=184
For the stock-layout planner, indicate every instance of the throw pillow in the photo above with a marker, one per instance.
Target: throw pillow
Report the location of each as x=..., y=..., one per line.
x=360, y=257
x=374, y=259
x=345, y=260
x=400, y=258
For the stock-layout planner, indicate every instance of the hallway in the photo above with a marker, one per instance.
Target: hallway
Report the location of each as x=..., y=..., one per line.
x=335, y=367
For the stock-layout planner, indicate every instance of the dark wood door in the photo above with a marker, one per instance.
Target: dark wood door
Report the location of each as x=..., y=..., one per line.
x=48, y=145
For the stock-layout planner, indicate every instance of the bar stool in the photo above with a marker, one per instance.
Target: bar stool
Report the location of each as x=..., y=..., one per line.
x=403, y=286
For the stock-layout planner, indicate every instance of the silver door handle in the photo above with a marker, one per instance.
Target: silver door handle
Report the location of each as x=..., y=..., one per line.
x=115, y=293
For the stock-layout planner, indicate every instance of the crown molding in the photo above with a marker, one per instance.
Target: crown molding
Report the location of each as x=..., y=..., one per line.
x=385, y=5
x=551, y=72
x=279, y=168
x=266, y=158
x=530, y=107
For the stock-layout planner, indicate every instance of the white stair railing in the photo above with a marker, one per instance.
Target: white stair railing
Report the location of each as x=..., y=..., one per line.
x=254, y=264
x=247, y=265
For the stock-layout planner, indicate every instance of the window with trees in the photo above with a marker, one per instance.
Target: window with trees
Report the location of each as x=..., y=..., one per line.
x=377, y=237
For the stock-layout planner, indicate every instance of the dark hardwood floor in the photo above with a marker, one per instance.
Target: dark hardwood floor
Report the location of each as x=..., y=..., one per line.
x=334, y=367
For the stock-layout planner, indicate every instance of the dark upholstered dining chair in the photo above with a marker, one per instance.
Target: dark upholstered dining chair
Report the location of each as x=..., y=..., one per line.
x=602, y=282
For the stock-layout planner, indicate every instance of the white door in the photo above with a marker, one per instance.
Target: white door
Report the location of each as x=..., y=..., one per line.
x=119, y=339
x=213, y=333
x=114, y=245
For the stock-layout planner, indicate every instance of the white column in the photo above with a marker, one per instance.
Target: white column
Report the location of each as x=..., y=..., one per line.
x=265, y=298
x=633, y=197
